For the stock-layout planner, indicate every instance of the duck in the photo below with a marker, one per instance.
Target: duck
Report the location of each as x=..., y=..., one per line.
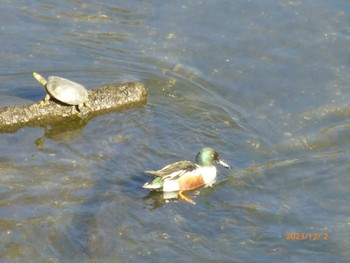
x=185, y=175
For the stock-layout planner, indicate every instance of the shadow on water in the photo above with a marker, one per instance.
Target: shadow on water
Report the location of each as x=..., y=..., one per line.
x=157, y=199
x=65, y=131
x=88, y=234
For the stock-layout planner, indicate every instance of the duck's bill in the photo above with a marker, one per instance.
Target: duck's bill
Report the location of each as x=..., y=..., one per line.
x=224, y=164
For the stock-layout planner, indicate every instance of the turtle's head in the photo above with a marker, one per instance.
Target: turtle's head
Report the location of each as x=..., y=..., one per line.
x=40, y=79
x=209, y=157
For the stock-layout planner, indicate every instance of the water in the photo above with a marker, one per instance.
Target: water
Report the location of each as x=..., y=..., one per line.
x=263, y=82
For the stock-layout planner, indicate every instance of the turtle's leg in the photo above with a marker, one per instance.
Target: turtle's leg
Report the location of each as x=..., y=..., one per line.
x=43, y=82
x=185, y=198
x=45, y=101
x=76, y=108
x=86, y=104
x=79, y=107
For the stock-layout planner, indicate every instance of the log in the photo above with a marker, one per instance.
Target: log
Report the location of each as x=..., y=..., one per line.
x=102, y=100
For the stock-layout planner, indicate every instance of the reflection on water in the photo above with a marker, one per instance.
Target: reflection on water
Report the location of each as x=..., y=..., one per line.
x=265, y=84
x=63, y=132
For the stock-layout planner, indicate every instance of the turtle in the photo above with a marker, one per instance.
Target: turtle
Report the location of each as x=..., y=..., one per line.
x=64, y=90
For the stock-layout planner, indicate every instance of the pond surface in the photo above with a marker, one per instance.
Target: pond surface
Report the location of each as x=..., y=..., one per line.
x=266, y=83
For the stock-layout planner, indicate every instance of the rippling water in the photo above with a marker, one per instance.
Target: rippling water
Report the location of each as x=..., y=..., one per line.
x=263, y=82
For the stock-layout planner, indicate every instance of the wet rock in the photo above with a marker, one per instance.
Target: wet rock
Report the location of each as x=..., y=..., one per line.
x=104, y=99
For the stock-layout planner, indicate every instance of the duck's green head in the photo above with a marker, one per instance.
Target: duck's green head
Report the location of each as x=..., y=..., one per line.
x=209, y=157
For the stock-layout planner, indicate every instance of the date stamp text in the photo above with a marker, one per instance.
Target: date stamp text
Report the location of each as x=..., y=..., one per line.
x=307, y=236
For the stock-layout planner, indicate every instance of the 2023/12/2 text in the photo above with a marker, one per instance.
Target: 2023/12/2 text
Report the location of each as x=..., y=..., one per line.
x=307, y=236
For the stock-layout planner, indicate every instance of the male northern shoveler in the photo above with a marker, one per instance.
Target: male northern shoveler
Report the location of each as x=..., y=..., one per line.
x=185, y=175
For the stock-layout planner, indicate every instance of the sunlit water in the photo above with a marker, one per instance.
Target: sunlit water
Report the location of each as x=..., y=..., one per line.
x=266, y=83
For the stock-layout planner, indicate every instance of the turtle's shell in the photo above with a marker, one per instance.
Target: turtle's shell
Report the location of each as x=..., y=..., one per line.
x=66, y=91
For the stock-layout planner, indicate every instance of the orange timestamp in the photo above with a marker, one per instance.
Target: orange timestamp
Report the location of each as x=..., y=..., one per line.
x=307, y=236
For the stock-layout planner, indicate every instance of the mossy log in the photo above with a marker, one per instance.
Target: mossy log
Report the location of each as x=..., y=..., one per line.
x=104, y=99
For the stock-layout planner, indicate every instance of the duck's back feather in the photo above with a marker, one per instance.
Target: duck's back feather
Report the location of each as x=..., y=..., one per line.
x=174, y=170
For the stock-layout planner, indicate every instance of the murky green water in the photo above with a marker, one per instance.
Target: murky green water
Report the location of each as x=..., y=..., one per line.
x=266, y=83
